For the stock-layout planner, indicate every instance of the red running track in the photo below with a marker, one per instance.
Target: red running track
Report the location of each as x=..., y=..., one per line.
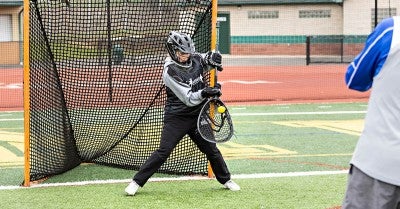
x=242, y=84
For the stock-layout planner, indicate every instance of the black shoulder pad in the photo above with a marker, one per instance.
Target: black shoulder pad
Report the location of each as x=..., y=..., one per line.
x=174, y=74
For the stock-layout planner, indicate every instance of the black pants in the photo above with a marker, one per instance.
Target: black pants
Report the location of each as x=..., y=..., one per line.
x=175, y=128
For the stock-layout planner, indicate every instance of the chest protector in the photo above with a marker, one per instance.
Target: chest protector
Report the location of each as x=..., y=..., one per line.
x=190, y=75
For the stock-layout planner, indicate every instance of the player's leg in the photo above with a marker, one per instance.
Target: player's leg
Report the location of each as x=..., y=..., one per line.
x=173, y=131
x=216, y=160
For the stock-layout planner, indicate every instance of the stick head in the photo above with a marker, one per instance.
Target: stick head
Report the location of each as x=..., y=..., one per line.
x=212, y=125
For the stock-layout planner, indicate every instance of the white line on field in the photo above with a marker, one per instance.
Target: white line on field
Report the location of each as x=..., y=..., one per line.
x=249, y=82
x=290, y=174
x=298, y=113
x=11, y=119
x=183, y=178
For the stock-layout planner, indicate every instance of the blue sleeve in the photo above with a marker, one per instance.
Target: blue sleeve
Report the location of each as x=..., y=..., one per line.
x=366, y=65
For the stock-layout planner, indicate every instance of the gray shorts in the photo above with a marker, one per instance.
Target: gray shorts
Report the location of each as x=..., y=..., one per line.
x=364, y=192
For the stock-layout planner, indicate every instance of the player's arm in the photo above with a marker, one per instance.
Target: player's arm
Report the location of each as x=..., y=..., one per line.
x=182, y=90
x=361, y=72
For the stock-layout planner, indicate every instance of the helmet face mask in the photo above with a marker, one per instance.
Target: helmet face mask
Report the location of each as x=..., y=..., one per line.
x=179, y=42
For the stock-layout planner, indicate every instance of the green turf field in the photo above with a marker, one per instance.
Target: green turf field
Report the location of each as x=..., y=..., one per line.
x=283, y=156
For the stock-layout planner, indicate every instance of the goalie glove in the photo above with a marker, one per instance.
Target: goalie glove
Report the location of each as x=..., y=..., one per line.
x=214, y=59
x=218, y=86
x=210, y=92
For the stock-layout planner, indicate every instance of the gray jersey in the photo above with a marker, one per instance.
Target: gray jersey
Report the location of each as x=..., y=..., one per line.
x=183, y=85
x=378, y=150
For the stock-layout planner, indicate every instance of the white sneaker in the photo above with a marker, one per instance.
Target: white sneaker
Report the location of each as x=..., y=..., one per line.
x=132, y=188
x=232, y=186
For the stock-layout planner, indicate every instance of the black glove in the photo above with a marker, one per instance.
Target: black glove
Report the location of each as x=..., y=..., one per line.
x=214, y=59
x=210, y=92
x=218, y=86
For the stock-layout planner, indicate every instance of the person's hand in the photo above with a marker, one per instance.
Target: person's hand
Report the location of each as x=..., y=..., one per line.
x=214, y=59
x=210, y=92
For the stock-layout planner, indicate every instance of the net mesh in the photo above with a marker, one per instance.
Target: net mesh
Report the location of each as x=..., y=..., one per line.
x=96, y=93
x=333, y=48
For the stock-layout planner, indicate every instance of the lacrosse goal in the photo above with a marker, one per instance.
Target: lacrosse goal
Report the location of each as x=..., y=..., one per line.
x=93, y=91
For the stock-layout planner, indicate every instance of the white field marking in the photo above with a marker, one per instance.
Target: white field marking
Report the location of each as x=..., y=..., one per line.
x=239, y=108
x=11, y=111
x=324, y=106
x=250, y=82
x=11, y=86
x=283, y=107
x=11, y=119
x=183, y=178
x=290, y=174
x=298, y=113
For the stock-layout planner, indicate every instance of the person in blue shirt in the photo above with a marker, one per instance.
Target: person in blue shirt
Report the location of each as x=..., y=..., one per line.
x=374, y=175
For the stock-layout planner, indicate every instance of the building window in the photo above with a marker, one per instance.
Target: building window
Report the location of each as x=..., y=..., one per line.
x=263, y=14
x=314, y=13
x=6, y=32
x=382, y=14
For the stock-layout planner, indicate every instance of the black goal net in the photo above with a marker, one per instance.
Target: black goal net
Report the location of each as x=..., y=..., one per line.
x=95, y=82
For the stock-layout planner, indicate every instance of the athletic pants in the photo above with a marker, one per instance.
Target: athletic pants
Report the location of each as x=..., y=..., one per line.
x=364, y=192
x=174, y=129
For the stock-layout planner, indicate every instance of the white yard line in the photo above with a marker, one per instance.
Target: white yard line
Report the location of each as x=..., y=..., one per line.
x=183, y=178
x=11, y=119
x=298, y=113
